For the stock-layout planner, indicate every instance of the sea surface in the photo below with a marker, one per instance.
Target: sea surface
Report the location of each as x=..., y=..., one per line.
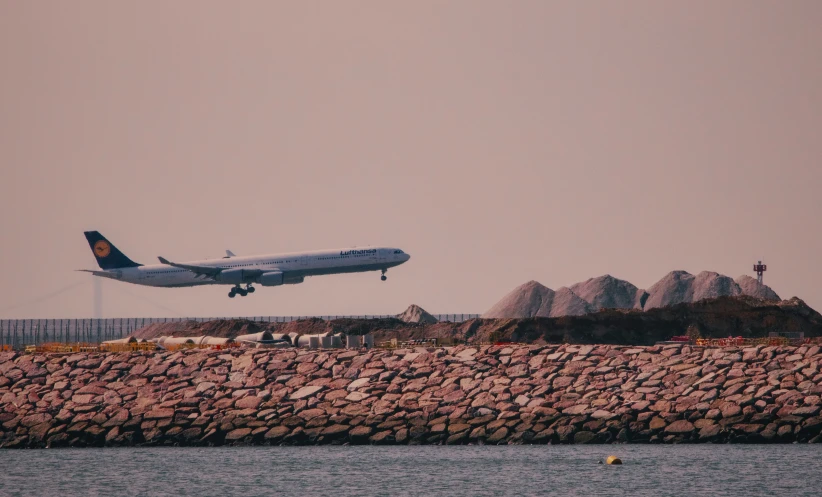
x=341, y=471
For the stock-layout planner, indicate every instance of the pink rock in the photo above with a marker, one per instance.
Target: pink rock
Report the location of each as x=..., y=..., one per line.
x=159, y=413
x=679, y=427
x=305, y=392
x=35, y=419
x=250, y=402
x=83, y=399
x=94, y=390
x=276, y=433
x=575, y=409
x=238, y=434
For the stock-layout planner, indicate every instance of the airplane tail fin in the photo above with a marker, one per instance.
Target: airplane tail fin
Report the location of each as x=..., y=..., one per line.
x=107, y=255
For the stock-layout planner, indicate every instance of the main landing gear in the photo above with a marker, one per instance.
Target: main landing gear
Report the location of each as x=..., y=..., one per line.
x=384, y=277
x=242, y=292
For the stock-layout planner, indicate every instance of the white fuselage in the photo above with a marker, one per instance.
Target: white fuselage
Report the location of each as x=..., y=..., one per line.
x=293, y=266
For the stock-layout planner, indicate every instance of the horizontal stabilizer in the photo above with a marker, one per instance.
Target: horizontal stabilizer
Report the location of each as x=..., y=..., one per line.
x=102, y=274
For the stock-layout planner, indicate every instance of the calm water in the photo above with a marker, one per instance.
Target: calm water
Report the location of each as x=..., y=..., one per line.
x=737, y=470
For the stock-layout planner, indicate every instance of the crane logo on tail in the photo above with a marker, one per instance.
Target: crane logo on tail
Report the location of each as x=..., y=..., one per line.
x=102, y=248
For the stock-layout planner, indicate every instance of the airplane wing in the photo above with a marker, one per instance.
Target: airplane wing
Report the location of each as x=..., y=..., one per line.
x=209, y=272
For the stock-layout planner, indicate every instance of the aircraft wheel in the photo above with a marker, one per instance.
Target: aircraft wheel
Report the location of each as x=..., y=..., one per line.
x=231, y=295
x=242, y=293
x=383, y=277
x=250, y=289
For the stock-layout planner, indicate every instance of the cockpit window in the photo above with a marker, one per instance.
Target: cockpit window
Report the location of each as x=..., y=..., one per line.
x=399, y=252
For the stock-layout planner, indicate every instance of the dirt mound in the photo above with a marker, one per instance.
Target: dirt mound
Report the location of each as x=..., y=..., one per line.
x=525, y=301
x=309, y=326
x=674, y=288
x=710, y=285
x=721, y=317
x=416, y=314
x=607, y=292
x=536, y=300
x=226, y=328
x=680, y=286
x=750, y=286
x=718, y=318
x=567, y=303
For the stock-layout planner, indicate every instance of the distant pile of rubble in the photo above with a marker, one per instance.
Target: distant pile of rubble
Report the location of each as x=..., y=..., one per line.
x=533, y=299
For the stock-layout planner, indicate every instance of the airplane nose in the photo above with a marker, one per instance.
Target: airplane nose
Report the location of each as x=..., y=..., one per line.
x=407, y=256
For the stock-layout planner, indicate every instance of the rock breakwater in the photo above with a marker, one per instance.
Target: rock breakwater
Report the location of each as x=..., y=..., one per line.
x=515, y=394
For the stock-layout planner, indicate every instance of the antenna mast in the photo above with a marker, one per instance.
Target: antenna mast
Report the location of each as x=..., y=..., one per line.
x=760, y=269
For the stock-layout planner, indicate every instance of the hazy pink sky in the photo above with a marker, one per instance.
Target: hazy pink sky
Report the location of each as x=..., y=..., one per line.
x=497, y=142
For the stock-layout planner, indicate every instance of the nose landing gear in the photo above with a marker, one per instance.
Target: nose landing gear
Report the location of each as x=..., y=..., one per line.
x=384, y=277
x=237, y=290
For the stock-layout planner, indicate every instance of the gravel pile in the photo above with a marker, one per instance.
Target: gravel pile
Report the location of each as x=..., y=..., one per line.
x=567, y=303
x=674, y=288
x=529, y=300
x=607, y=292
x=416, y=314
x=750, y=286
x=536, y=300
x=710, y=285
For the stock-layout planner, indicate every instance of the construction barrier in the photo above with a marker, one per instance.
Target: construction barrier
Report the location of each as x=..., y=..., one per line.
x=419, y=342
x=56, y=347
x=753, y=342
x=128, y=347
x=187, y=346
x=389, y=344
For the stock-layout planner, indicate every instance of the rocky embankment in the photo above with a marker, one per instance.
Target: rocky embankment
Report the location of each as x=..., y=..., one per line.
x=516, y=394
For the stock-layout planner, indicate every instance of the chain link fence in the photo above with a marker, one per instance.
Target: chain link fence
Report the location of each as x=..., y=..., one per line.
x=17, y=333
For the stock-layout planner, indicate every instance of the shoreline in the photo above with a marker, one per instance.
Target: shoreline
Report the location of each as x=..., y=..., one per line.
x=505, y=394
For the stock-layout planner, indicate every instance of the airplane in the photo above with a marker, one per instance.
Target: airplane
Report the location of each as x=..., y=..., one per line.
x=265, y=270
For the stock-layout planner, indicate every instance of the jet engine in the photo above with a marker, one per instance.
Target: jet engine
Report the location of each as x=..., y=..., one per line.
x=235, y=276
x=293, y=280
x=272, y=278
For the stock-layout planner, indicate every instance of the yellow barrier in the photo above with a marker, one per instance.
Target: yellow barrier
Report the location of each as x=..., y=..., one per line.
x=186, y=346
x=390, y=344
x=55, y=347
x=753, y=342
x=128, y=347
